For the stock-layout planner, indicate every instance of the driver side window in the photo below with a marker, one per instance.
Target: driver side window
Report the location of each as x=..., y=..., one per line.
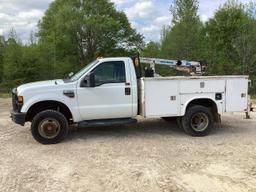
x=110, y=72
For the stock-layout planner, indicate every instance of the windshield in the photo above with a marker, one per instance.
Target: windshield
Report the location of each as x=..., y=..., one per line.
x=79, y=74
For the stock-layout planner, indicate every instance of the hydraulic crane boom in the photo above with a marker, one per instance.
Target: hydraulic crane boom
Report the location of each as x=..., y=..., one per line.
x=191, y=67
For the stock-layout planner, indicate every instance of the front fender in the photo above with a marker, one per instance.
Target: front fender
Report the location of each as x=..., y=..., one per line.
x=71, y=103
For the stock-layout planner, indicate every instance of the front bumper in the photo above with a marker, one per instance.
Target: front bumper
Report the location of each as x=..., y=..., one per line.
x=18, y=118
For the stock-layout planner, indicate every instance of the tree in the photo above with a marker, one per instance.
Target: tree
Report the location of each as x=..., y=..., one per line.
x=184, y=38
x=23, y=63
x=79, y=31
x=12, y=69
x=32, y=38
x=231, y=40
x=152, y=49
x=2, y=49
x=34, y=66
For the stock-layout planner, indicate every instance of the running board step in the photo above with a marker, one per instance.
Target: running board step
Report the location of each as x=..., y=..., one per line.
x=106, y=122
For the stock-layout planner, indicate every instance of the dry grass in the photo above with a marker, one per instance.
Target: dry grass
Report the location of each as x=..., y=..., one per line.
x=5, y=95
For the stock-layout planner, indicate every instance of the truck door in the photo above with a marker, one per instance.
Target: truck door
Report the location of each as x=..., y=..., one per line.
x=111, y=97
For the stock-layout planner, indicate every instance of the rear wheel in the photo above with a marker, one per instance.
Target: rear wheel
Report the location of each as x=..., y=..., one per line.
x=49, y=127
x=198, y=121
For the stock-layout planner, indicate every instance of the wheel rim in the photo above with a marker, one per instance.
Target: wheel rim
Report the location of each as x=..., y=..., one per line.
x=199, y=122
x=49, y=128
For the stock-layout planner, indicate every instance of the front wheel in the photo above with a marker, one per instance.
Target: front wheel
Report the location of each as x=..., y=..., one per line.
x=49, y=127
x=198, y=121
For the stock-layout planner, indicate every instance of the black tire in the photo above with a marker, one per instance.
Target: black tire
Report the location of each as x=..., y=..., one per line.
x=179, y=122
x=49, y=127
x=198, y=121
x=169, y=119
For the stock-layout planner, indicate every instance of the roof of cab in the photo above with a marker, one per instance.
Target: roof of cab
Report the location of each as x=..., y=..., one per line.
x=102, y=59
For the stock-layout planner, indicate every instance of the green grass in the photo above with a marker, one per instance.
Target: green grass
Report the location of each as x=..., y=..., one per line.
x=5, y=95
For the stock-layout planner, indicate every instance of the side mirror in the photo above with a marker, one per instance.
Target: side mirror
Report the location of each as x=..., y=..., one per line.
x=88, y=81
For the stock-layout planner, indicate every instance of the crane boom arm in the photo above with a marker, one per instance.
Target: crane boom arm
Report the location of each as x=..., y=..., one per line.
x=191, y=67
x=157, y=61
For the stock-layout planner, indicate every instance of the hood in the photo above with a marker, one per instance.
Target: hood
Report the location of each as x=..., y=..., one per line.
x=39, y=85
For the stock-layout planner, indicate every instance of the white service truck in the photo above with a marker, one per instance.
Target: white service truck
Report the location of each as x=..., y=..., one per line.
x=109, y=91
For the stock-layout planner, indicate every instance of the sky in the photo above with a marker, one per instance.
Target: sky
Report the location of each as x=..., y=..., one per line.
x=146, y=16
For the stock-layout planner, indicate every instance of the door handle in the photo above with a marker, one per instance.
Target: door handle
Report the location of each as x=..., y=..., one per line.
x=127, y=91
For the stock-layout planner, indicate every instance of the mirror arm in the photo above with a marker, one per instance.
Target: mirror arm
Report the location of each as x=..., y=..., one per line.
x=88, y=81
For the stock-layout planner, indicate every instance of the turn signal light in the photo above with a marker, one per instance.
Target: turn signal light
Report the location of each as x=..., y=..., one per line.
x=20, y=99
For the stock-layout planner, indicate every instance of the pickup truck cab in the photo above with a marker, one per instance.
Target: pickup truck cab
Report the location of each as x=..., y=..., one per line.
x=108, y=91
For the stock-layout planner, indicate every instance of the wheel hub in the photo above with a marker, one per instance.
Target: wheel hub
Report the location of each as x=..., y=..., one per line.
x=199, y=122
x=49, y=128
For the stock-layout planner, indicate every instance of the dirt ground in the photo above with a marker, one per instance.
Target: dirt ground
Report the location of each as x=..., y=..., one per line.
x=151, y=156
